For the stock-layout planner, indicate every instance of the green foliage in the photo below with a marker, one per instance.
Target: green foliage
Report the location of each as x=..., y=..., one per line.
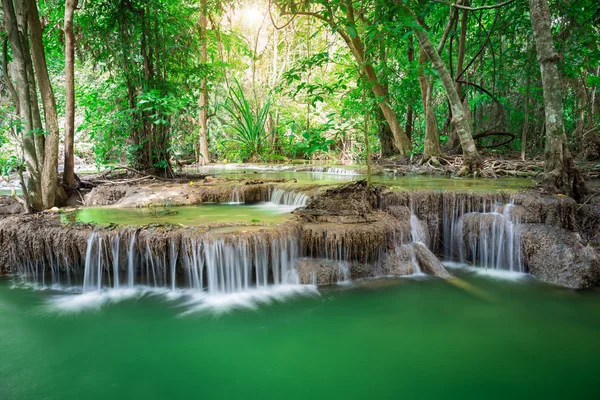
x=247, y=126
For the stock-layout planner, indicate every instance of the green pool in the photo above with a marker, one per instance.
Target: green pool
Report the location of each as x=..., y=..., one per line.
x=184, y=215
x=476, y=337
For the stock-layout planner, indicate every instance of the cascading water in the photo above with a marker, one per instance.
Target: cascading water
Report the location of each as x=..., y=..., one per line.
x=282, y=197
x=334, y=170
x=215, y=265
x=489, y=239
x=235, y=198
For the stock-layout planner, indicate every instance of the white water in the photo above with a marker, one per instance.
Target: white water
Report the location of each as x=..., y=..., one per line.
x=216, y=265
x=282, y=197
x=334, y=170
x=496, y=245
x=235, y=198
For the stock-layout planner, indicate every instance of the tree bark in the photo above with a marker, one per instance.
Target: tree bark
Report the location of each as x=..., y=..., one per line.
x=431, y=148
x=204, y=157
x=18, y=41
x=401, y=140
x=559, y=168
x=50, y=165
x=69, y=163
x=471, y=158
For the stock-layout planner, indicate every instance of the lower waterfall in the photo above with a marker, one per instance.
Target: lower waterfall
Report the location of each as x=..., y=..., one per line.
x=211, y=264
x=489, y=239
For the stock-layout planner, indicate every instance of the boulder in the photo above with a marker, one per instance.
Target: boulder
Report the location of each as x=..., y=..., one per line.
x=556, y=255
x=428, y=262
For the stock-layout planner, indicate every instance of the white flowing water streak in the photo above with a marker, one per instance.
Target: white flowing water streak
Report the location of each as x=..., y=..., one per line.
x=235, y=198
x=282, y=197
x=131, y=262
x=334, y=170
x=114, y=246
x=215, y=265
x=92, y=276
x=417, y=231
x=490, y=239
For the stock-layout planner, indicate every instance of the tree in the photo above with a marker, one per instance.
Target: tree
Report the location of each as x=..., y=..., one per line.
x=204, y=157
x=22, y=24
x=340, y=16
x=559, y=169
x=69, y=168
x=471, y=158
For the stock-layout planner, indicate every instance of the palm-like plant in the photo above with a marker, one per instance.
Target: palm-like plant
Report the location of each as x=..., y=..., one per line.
x=248, y=126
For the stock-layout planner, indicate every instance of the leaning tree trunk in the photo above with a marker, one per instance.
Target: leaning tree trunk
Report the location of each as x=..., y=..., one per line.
x=431, y=148
x=69, y=172
x=204, y=157
x=559, y=168
x=471, y=158
x=50, y=165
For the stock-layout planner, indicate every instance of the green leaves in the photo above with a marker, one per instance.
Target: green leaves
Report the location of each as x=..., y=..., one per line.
x=247, y=126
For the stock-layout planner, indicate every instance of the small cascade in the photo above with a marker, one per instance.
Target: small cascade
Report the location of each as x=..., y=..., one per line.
x=212, y=264
x=93, y=273
x=282, y=197
x=417, y=230
x=489, y=239
x=236, y=197
x=334, y=170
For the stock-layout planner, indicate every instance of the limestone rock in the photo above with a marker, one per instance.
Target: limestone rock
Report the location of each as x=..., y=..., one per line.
x=557, y=256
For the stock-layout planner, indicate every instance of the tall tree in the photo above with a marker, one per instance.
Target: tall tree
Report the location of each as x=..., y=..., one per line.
x=471, y=158
x=50, y=163
x=204, y=157
x=22, y=23
x=69, y=169
x=559, y=169
x=340, y=16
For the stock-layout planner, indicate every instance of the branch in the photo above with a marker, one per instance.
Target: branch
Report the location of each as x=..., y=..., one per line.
x=475, y=8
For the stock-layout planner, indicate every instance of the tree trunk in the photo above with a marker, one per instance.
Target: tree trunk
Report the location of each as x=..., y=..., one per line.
x=401, y=141
x=431, y=146
x=20, y=51
x=69, y=163
x=559, y=168
x=386, y=137
x=50, y=165
x=204, y=157
x=409, y=109
x=471, y=158
x=526, y=118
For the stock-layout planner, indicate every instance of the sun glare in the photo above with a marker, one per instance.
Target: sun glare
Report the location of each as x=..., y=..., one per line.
x=252, y=15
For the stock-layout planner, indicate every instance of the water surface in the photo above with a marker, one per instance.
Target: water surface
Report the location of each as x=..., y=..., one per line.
x=476, y=337
x=183, y=215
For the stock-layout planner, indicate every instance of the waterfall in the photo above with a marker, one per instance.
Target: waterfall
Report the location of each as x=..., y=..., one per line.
x=280, y=196
x=417, y=231
x=92, y=276
x=235, y=198
x=334, y=170
x=213, y=264
x=114, y=246
x=489, y=239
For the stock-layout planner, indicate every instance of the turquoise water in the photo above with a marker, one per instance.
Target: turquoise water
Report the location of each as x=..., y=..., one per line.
x=183, y=215
x=476, y=337
x=397, y=181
